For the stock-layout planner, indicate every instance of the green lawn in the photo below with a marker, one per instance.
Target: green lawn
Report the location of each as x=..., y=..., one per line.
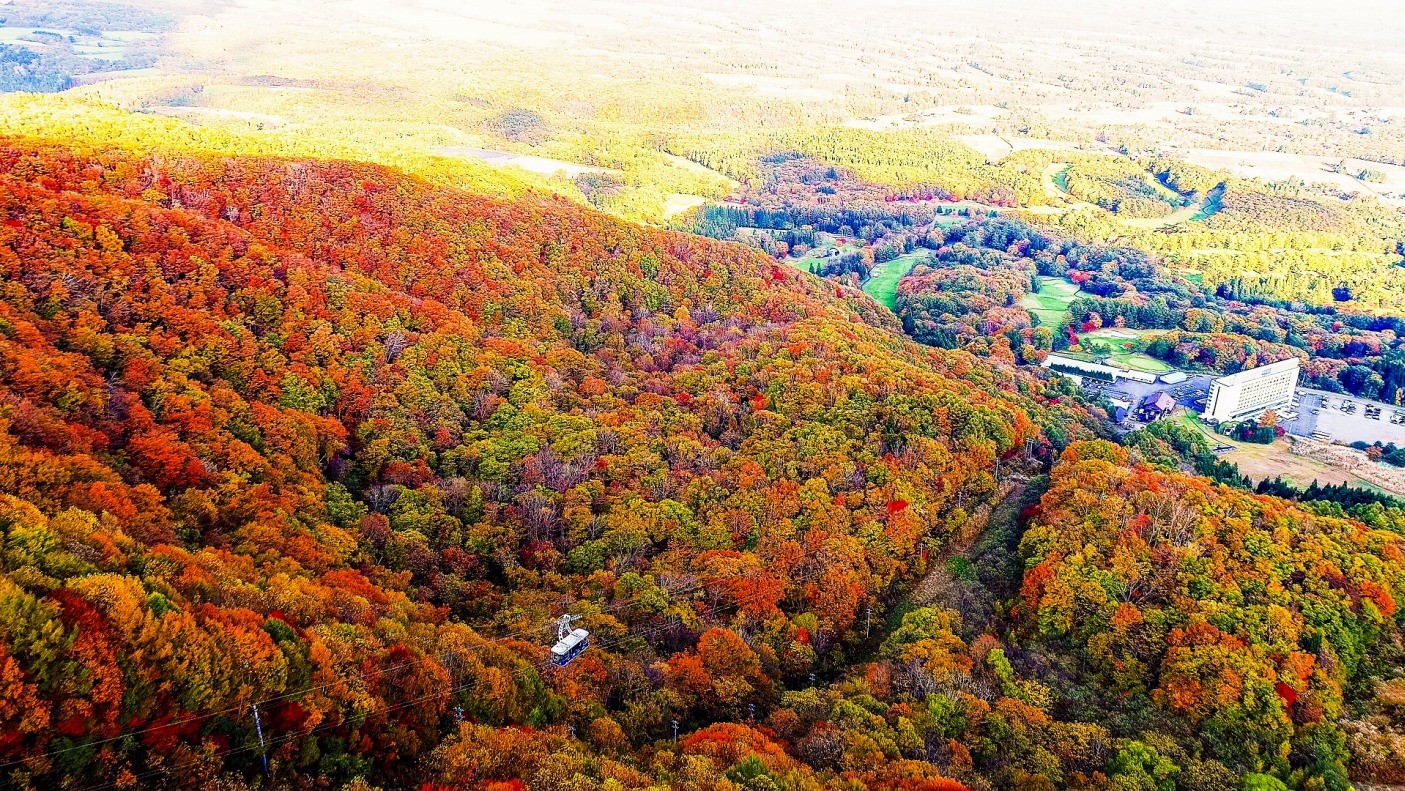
x=1051, y=301
x=1135, y=361
x=1140, y=362
x=823, y=244
x=1110, y=341
x=1117, y=333
x=882, y=283
x=950, y=220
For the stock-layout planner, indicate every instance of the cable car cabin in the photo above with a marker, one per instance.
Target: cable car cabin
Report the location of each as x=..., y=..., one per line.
x=570, y=647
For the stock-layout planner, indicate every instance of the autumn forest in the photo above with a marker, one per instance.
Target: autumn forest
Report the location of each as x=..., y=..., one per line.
x=324, y=399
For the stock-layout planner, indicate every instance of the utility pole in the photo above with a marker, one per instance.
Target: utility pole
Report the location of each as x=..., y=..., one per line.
x=675, y=731
x=867, y=620
x=263, y=748
x=751, y=712
x=812, y=679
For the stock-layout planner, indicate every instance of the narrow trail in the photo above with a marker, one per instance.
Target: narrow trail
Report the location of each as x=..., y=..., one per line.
x=989, y=541
x=935, y=587
x=991, y=569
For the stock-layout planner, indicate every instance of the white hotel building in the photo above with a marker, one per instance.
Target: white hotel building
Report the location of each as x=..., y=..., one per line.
x=1251, y=393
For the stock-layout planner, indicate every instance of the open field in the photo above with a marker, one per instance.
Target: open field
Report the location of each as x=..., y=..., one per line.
x=1051, y=301
x=825, y=244
x=1287, y=458
x=1109, y=342
x=1135, y=361
x=1261, y=462
x=1277, y=166
x=701, y=170
x=1117, y=334
x=804, y=262
x=1139, y=362
x=196, y=114
x=996, y=147
x=542, y=165
x=679, y=203
x=882, y=283
x=949, y=114
x=1377, y=475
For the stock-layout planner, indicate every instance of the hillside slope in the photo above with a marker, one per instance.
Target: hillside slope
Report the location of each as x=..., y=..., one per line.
x=328, y=439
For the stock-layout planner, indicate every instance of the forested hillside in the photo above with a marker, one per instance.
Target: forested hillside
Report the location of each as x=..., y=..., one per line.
x=353, y=354
x=331, y=440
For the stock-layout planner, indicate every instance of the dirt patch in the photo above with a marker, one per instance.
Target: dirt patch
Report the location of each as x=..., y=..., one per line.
x=679, y=202
x=1293, y=459
x=1278, y=461
x=1351, y=463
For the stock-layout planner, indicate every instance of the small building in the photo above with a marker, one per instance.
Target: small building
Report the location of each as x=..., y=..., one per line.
x=1173, y=378
x=1155, y=406
x=1119, y=414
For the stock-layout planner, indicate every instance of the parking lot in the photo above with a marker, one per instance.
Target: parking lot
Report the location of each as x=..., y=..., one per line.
x=1343, y=418
x=1189, y=395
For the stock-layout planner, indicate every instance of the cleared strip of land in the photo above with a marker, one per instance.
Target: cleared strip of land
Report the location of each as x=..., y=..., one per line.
x=882, y=283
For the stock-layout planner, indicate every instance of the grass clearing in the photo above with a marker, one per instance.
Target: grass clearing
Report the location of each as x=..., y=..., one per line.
x=1261, y=462
x=824, y=244
x=678, y=203
x=1140, y=362
x=805, y=263
x=882, y=283
x=1115, y=334
x=1278, y=166
x=1111, y=343
x=1050, y=303
x=540, y=165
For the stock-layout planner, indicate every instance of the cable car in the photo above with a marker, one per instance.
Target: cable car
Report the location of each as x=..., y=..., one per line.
x=570, y=643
